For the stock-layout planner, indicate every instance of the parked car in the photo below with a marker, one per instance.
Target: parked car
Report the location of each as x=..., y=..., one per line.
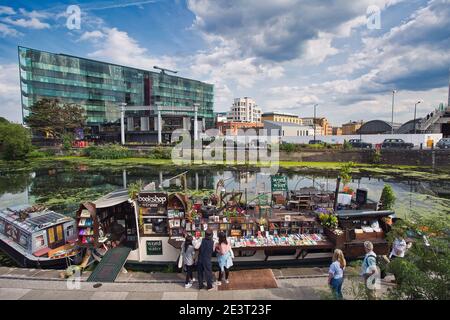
x=358, y=143
x=396, y=144
x=316, y=142
x=444, y=143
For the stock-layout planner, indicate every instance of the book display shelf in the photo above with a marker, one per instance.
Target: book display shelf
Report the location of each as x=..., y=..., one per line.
x=87, y=225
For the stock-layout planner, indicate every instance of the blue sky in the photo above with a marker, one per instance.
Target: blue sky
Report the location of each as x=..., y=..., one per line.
x=286, y=54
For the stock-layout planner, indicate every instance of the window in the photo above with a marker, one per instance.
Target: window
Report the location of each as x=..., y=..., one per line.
x=69, y=231
x=39, y=241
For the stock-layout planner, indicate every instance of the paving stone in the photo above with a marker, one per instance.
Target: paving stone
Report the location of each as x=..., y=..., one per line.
x=144, y=296
x=12, y=293
x=109, y=295
x=56, y=295
x=180, y=296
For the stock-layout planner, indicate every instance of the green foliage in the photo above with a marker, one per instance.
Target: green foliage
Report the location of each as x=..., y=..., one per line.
x=376, y=157
x=160, y=153
x=36, y=154
x=107, y=152
x=3, y=121
x=424, y=272
x=347, y=145
x=288, y=147
x=328, y=220
x=68, y=139
x=345, y=172
x=15, y=141
x=134, y=188
x=387, y=198
x=53, y=119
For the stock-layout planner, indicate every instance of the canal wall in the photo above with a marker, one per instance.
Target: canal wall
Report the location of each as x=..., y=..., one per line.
x=436, y=158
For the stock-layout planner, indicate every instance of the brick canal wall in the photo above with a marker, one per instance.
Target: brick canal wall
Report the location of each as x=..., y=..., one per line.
x=441, y=158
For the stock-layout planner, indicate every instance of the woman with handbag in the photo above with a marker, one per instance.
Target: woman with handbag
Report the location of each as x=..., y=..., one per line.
x=187, y=259
x=224, y=258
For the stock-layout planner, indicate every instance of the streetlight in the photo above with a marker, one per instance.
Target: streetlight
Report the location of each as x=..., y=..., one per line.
x=415, y=111
x=392, y=117
x=314, y=122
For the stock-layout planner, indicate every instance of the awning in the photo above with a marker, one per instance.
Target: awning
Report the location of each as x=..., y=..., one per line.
x=112, y=199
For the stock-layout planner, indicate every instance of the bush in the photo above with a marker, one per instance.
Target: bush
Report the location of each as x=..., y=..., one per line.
x=160, y=153
x=347, y=145
x=387, y=198
x=15, y=141
x=107, y=151
x=36, y=154
x=288, y=147
x=67, y=139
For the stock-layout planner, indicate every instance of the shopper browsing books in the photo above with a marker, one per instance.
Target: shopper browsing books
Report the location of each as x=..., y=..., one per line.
x=204, y=267
x=369, y=270
x=188, y=254
x=336, y=273
x=224, y=258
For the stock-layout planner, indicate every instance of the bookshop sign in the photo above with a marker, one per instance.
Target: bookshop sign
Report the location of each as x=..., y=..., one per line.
x=279, y=183
x=152, y=199
x=154, y=248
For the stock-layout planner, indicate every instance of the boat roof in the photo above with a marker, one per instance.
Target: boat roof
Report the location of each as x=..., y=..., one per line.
x=363, y=213
x=35, y=221
x=112, y=199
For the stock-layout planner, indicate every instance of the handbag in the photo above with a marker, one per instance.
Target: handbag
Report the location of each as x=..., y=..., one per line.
x=231, y=253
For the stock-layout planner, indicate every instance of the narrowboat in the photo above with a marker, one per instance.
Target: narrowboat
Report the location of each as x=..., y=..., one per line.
x=35, y=237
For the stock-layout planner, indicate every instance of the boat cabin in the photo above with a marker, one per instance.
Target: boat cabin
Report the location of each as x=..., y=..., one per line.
x=37, y=232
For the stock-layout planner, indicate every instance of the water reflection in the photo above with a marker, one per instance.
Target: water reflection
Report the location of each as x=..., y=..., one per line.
x=64, y=188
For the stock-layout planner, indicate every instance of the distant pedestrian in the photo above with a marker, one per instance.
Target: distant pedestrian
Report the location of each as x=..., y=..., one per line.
x=336, y=273
x=369, y=269
x=188, y=253
x=204, y=267
x=224, y=258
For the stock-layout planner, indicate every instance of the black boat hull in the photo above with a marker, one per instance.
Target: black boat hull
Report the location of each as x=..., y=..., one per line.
x=25, y=262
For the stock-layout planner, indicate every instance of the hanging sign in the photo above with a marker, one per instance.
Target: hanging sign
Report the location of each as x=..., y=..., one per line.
x=279, y=183
x=152, y=199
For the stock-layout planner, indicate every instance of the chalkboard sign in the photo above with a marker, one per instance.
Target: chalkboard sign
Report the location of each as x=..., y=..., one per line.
x=154, y=248
x=279, y=183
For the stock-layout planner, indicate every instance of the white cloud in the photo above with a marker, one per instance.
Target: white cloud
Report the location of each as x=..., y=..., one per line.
x=32, y=23
x=118, y=47
x=92, y=35
x=7, y=31
x=10, y=93
x=6, y=10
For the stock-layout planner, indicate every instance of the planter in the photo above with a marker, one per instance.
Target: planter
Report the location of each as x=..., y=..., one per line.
x=338, y=240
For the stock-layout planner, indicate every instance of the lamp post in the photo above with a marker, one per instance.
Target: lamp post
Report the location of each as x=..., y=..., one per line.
x=392, y=116
x=314, y=122
x=415, y=111
x=122, y=122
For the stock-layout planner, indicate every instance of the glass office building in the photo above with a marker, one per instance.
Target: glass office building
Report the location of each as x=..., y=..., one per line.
x=101, y=87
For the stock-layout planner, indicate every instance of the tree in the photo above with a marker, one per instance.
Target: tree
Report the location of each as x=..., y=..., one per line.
x=346, y=172
x=15, y=141
x=387, y=198
x=425, y=270
x=54, y=119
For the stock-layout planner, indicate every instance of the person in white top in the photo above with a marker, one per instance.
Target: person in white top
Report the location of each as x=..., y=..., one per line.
x=398, y=248
x=336, y=273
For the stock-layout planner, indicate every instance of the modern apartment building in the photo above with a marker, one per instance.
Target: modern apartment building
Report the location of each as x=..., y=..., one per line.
x=282, y=117
x=101, y=87
x=244, y=110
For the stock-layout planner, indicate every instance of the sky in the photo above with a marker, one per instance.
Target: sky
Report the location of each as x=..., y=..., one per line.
x=346, y=56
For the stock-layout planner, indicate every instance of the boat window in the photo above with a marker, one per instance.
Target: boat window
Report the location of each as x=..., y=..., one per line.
x=39, y=241
x=2, y=226
x=59, y=232
x=69, y=231
x=51, y=235
x=23, y=241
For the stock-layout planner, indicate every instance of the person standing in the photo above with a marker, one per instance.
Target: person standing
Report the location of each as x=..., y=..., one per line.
x=369, y=269
x=224, y=258
x=204, y=267
x=188, y=253
x=399, y=247
x=336, y=273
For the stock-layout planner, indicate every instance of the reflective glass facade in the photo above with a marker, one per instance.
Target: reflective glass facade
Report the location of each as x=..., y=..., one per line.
x=100, y=87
